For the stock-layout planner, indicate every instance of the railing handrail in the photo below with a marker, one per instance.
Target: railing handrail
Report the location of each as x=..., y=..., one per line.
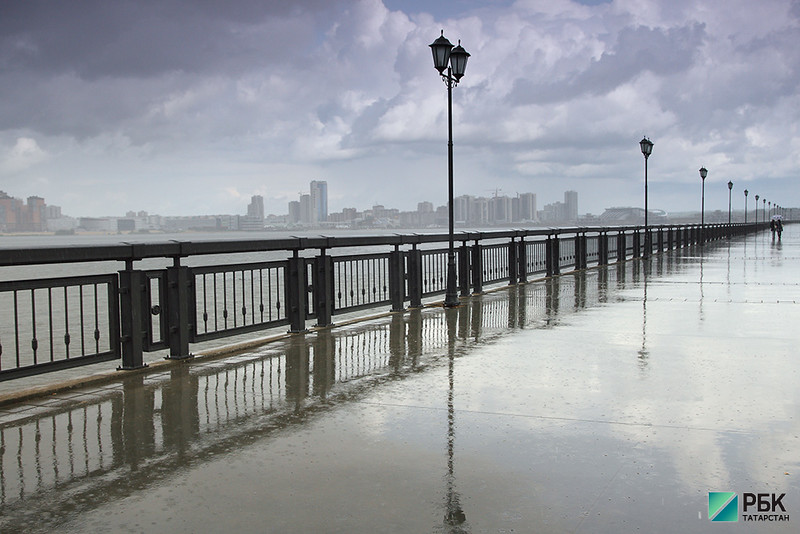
x=127, y=252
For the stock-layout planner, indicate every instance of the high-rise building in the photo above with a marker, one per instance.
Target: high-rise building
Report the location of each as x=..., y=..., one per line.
x=256, y=207
x=501, y=210
x=571, y=205
x=461, y=209
x=319, y=201
x=294, y=212
x=425, y=207
x=306, y=209
x=254, y=220
x=527, y=207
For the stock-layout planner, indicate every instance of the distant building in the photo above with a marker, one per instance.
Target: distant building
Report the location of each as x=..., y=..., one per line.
x=570, y=206
x=254, y=220
x=319, y=201
x=18, y=217
x=306, y=212
x=294, y=212
x=527, y=207
x=256, y=207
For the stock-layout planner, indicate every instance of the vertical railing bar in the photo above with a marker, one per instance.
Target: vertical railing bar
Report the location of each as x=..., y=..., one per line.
x=83, y=325
x=364, y=282
x=205, y=303
x=253, y=295
x=233, y=293
x=225, y=300
x=34, y=343
x=96, y=323
x=269, y=288
x=16, y=325
x=66, y=322
x=50, y=319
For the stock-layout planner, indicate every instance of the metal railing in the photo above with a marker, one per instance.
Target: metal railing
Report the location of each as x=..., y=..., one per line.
x=54, y=323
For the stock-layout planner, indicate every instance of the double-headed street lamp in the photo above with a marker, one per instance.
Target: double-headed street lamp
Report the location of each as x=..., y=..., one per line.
x=730, y=188
x=745, y=206
x=703, y=174
x=454, y=59
x=647, y=149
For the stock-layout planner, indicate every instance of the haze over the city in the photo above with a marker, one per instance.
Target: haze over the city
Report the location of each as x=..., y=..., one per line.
x=182, y=107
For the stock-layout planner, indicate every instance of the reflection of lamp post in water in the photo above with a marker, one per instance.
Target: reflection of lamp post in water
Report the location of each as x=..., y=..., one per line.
x=454, y=516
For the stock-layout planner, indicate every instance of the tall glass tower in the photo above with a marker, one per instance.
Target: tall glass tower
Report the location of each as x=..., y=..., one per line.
x=319, y=201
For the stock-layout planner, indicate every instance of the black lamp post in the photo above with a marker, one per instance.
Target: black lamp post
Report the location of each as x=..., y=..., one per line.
x=730, y=188
x=745, y=206
x=454, y=59
x=756, y=209
x=647, y=149
x=764, y=208
x=769, y=213
x=703, y=174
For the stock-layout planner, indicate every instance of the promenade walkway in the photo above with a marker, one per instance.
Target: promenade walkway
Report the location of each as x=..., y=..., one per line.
x=606, y=401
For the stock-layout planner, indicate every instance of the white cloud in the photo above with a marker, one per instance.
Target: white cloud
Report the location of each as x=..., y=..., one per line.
x=25, y=154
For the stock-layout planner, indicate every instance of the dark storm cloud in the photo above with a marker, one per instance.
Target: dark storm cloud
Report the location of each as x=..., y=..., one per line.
x=80, y=67
x=637, y=50
x=97, y=38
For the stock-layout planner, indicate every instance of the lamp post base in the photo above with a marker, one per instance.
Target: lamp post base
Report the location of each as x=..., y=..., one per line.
x=451, y=296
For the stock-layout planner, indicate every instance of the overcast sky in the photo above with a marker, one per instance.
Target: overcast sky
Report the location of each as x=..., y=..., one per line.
x=192, y=106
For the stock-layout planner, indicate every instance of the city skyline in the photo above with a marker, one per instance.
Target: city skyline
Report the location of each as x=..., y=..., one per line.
x=209, y=107
x=470, y=211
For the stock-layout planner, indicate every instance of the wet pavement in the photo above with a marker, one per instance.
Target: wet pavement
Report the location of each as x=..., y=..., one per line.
x=611, y=400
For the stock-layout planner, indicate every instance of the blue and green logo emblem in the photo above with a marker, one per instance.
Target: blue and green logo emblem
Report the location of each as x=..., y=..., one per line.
x=723, y=506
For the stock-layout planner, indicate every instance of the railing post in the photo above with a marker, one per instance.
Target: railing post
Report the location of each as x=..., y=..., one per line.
x=397, y=279
x=296, y=293
x=553, y=259
x=636, y=244
x=322, y=288
x=522, y=261
x=670, y=237
x=131, y=292
x=463, y=268
x=178, y=296
x=512, y=262
x=581, y=251
x=414, y=263
x=621, y=246
x=660, y=239
x=477, y=268
x=602, y=248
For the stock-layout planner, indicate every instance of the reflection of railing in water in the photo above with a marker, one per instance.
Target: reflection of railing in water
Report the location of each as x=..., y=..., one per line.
x=136, y=311
x=151, y=424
